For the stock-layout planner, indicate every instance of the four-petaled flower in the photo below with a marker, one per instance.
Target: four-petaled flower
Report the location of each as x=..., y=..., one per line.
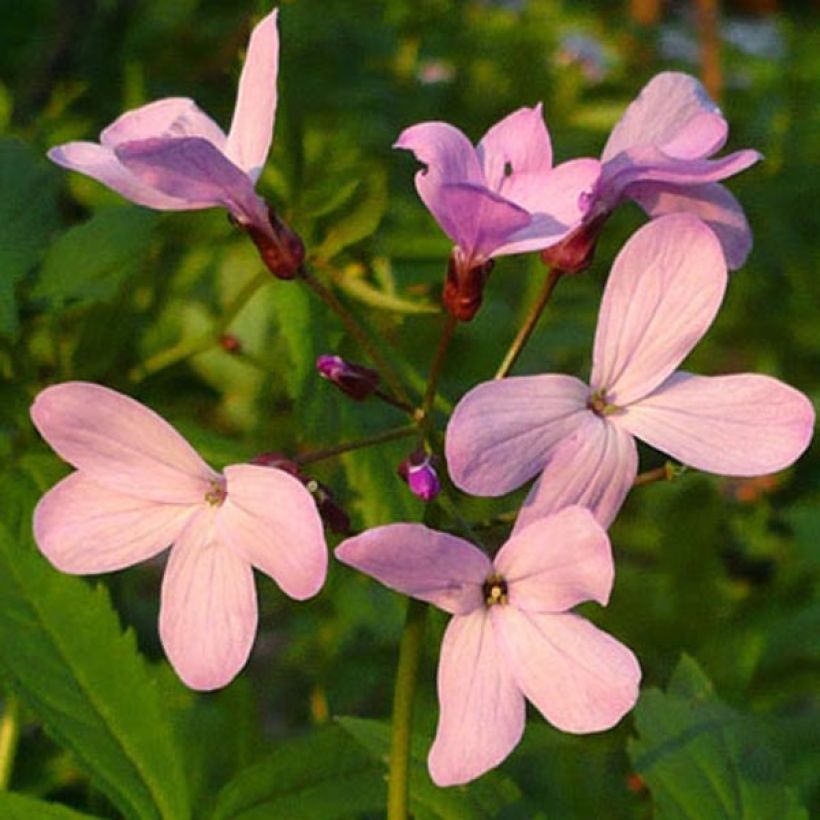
x=140, y=487
x=658, y=155
x=511, y=636
x=663, y=292
x=171, y=156
x=501, y=197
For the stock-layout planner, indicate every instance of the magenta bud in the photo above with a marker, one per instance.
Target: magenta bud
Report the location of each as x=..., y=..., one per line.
x=280, y=247
x=356, y=380
x=576, y=252
x=420, y=474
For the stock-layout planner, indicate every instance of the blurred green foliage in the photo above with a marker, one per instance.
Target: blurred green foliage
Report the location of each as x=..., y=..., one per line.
x=93, y=288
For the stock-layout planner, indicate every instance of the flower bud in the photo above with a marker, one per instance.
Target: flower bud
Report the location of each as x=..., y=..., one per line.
x=356, y=380
x=464, y=285
x=281, y=248
x=278, y=461
x=229, y=343
x=420, y=474
x=576, y=252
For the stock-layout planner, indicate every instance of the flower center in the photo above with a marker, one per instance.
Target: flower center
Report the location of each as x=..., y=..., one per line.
x=495, y=590
x=217, y=493
x=600, y=405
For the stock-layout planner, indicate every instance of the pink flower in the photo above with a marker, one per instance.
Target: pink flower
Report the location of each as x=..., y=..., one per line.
x=658, y=155
x=500, y=198
x=140, y=487
x=511, y=636
x=171, y=156
x=663, y=292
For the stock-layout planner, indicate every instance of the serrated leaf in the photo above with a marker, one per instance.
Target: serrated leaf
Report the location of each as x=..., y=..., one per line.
x=482, y=798
x=361, y=218
x=63, y=651
x=28, y=214
x=324, y=774
x=89, y=262
x=22, y=807
x=703, y=760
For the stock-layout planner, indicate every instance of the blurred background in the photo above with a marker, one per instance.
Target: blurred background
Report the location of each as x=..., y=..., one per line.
x=726, y=572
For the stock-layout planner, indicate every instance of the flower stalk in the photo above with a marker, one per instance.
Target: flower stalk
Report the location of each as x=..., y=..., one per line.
x=358, y=444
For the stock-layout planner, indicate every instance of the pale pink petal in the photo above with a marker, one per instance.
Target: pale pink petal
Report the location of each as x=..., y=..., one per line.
x=664, y=290
x=120, y=443
x=447, y=153
x=193, y=169
x=481, y=710
x=578, y=677
x=594, y=468
x=252, y=126
x=741, y=425
x=557, y=206
x=86, y=528
x=675, y=110
x=170, y=117
x=477, y=220
x=414, y=560
x=557, y=563
x=712, y=203
x=502, y=432
x=207, y=618
x=100, y=163
x=516, y=153
x=271, y=521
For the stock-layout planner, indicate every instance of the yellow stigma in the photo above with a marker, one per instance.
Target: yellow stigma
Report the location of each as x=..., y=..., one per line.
x=216, y=494
x=495, y=590
x=600, y=405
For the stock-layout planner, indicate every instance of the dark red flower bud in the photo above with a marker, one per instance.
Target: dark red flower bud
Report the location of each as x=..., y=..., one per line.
x=356, y=380
x=576, y=252
x=229, y=343
x=420, y=474
x=281, y=248
x=332, y=513
x=280, y=462
x=464, y=285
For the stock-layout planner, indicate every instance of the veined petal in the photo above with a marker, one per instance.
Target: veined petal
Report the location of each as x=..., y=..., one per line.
x=594, y=468
x=741, y=425
x=100, y=163
x=477, y=220
x=557, y=563
x=169, y=117
x=83, y=527
x=427, y=564
x=672, y=109
x=712, y=203
x=252, y=126
x=664, y=290
x=271, y=521
x=502, y=432
x=120, y=443
x=481, y=710
x=207, y=619
x=516, y=152
x=578, y=677
x=193, y=169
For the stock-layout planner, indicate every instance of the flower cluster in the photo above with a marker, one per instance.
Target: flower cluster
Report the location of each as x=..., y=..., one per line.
x=139, y=487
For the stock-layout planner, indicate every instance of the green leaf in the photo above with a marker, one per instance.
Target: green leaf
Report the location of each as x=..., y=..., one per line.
x=89, y=262
x=482, y=798
x=21, y=807
x=354, y=282
x=28, y=214
x=704, y=761
x=324, y=774
x=361, y=218
x=62, y=649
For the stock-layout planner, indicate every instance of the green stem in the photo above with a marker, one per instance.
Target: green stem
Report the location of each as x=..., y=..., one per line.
x=9, y=735
x=669, y=472
x=355, y=329
x=358, y=444
x=391, y=400
x=185, y=349
x=410, y=651
x=447, y=333
x=531, y=320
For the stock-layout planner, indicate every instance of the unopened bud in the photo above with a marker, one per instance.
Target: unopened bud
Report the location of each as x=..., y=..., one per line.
x=280, y=247
x=279, y=461
x=356, y=380
x=229, y=343
x=575, y=253
x=464, y=285
x=420, y=474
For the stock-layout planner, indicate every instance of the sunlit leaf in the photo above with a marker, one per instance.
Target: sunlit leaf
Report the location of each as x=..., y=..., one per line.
x=21, y=807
